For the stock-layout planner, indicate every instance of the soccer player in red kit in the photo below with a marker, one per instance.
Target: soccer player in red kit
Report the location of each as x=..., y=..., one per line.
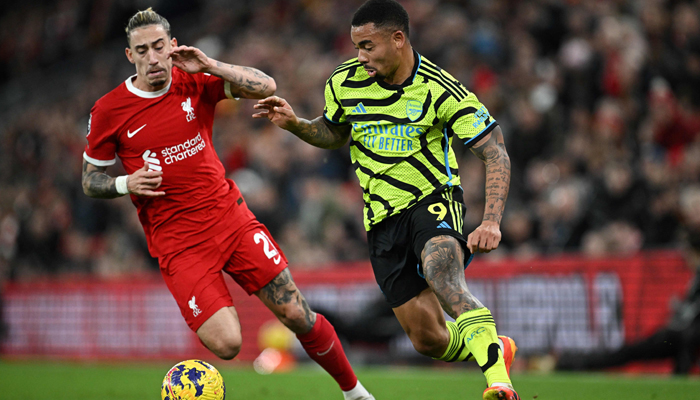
x=159, y=123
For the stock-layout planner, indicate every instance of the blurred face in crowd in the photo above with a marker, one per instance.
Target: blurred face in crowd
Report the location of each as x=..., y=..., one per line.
x=148, y=50
x=379, y=49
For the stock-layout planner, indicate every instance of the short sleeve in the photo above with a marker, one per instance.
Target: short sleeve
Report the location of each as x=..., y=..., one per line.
x=215, y=88
x=467, y=118
x=334, y=110
x=101, y=145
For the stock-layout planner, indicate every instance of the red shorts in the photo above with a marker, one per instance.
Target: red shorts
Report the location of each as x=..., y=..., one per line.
x=194, y=276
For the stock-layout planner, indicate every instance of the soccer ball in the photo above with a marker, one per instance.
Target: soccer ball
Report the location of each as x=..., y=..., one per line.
x=193, y=380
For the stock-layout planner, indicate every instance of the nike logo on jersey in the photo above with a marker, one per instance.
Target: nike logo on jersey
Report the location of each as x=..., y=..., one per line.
x=131, y=134
x=326, y=352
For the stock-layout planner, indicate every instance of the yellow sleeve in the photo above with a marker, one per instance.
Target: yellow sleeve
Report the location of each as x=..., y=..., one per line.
x=468, y=119
x=333, y=110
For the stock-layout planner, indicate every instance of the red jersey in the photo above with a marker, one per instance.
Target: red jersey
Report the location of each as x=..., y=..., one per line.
x=171, y=129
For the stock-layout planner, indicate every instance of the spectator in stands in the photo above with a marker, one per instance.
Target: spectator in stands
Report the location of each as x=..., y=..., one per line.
x=679, y=339
x=595, y=84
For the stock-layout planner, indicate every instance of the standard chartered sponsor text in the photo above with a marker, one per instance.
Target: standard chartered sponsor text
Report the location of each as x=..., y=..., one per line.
x=188, y=148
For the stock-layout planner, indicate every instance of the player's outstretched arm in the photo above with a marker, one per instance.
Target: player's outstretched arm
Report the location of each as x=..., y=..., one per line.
x=492, y=151
x=96, y=183
x=317, y=132
x=246, y=82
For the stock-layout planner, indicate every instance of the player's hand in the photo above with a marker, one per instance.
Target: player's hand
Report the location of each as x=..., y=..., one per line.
x=144, y=182
x=190, y=59
x=485, y=237
x=277, y=110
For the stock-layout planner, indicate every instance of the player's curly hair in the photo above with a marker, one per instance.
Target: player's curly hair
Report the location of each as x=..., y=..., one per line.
x=383, y=13
x=145, y=18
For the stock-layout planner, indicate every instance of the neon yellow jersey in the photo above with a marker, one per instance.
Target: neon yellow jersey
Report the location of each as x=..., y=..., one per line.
x=401, y=137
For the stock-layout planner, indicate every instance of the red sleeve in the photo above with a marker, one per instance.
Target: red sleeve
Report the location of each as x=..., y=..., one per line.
x=101, y=138
x=215, y=88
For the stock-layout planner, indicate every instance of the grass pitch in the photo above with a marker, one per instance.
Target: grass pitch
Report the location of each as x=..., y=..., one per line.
x=43, y=380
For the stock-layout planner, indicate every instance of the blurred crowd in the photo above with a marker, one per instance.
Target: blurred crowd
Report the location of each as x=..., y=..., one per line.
x=598, y=100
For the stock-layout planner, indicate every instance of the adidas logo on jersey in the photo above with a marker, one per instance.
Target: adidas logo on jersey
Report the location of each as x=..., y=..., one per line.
x=360, y=109
x=444, y=224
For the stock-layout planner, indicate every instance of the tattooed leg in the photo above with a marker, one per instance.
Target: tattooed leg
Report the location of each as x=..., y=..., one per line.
x=285, y=300
x=443, y=265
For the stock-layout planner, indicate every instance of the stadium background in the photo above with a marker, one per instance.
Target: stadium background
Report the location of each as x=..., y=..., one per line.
x=598, y=101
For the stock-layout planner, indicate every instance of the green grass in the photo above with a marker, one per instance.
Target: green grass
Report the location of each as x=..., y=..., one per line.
x=29, y=380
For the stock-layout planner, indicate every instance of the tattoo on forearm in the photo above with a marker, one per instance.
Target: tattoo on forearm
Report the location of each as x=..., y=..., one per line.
x=443, y=265
x=256, y=73
x=493, y=153
x=318, y=133
x=255, y=83
x=96, y=183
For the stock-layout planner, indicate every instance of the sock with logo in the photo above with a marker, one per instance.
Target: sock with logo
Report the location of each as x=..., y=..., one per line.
x=323, y=346
x=457, y=349
x=478, y=330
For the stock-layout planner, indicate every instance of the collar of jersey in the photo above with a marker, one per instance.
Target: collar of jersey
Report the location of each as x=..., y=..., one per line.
x=146, y=95
x=409, y=80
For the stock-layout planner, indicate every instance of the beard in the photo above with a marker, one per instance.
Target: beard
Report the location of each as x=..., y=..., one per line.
x=157, y=83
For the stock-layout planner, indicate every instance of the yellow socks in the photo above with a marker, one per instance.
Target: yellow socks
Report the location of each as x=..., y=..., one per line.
x=457, y=350
x=478, y=333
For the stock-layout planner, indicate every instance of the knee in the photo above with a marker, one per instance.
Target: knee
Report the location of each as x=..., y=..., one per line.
x=226, y=348
x=296, y=318
x=428, y=343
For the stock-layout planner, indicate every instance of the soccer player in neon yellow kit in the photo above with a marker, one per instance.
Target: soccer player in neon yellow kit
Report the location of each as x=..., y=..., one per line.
x=401, y=113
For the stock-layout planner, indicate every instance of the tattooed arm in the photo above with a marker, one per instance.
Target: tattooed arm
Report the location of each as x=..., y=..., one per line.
x=249, y=82
x=321, y=133
x=246, y=82
x=96, y=183
x=492, y=151
x=317, y=132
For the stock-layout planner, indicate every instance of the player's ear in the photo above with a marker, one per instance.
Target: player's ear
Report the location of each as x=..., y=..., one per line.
x=399, y=39
x=173, y=42
x=128, y=55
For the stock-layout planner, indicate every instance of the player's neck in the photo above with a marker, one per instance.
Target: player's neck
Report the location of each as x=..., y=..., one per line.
x=405, y=68
x=141, y=84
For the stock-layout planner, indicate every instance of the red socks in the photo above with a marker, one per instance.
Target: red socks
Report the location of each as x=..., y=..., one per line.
x=322, y=345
